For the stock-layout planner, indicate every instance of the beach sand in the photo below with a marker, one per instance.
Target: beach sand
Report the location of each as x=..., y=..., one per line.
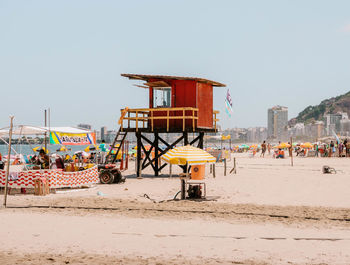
x=267, y=213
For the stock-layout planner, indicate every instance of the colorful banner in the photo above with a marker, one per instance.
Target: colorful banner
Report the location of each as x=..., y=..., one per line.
x=72, y=138
x=228, y=103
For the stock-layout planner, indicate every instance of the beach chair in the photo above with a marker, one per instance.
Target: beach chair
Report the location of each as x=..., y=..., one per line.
x=41, y=186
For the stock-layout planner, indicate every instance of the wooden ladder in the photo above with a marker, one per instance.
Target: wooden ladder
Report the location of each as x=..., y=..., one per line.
x=117, y=145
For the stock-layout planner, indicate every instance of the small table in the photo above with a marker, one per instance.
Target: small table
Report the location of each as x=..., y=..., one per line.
x=186, y=181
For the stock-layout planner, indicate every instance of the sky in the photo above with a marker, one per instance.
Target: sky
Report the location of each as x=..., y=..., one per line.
x=68, y=55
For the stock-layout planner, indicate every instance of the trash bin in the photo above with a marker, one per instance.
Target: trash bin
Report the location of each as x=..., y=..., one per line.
x=197, y=172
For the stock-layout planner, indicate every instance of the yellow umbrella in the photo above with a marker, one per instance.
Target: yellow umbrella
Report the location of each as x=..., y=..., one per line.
x=62, y=149
x=307, y=145
x=178, y=161
x=227, y=137
x=38, y=148
x=188, y=155
x=282, y=146
x=90, y=148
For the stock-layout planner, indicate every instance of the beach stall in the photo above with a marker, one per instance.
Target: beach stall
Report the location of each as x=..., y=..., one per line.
x=176, y=105
x=24, y=174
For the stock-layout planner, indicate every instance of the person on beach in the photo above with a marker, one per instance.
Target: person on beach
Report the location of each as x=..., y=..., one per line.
x=340, y=149
x=316, y=150
x=330, y=149
x=347, y=147
x=290, y=149
x=263, y=149
x=280, y=153
x=1, y=162
x=269, y=148
x=325, y=148
x=103, y=148
x=43, y=159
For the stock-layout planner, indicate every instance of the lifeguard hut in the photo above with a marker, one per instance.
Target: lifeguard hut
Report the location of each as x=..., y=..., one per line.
x=177, y=104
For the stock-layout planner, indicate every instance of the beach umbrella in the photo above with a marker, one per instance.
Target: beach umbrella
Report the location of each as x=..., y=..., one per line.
x=38, y=148
x=307, y=145
x=283, y=145
x=91, y=147
x=244, y=146
x=187, y=155
x=62, y=149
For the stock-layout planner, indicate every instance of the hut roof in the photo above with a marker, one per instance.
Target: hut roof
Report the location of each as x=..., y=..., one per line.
x=168, y=77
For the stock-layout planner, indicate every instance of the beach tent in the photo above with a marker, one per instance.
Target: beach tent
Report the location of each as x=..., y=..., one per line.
x=58, y=135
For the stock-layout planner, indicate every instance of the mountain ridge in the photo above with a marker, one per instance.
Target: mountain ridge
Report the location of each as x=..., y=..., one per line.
x=328, y=106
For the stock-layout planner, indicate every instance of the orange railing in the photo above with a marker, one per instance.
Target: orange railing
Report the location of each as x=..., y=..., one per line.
x=142, y=118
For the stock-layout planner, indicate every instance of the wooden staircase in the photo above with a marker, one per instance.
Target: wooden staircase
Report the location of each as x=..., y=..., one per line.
x=117, y=146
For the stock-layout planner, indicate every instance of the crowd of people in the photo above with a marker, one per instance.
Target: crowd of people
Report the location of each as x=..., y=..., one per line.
x=331, y=149
x=54, y=161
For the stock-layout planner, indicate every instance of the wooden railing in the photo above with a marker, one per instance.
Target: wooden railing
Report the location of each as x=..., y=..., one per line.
x=145, y=117
x=215, y=119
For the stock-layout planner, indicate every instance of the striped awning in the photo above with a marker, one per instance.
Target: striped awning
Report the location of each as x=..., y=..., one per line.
x=187, y=154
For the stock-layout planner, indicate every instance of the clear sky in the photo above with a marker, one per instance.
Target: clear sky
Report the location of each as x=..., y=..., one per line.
x=68, y=55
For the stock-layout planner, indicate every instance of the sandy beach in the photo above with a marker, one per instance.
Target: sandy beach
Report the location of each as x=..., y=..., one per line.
x=267, y=213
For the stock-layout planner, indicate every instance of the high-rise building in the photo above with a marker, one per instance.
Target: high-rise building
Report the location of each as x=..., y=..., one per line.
x=103, y=132
x=84, y=126
x=277, y=122
x=109, y=136
x=332, y=122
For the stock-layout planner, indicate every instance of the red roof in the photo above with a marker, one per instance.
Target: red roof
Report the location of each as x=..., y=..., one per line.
x=168, y=77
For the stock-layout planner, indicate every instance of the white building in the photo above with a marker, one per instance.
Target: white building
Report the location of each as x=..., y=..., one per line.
x=277, y=122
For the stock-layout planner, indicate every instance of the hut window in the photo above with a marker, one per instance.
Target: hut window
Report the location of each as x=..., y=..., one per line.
x=162, y=97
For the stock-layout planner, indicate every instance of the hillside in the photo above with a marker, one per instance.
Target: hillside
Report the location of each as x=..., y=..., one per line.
x=332, y=105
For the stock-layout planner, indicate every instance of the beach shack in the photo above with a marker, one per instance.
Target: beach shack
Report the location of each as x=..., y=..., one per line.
x=177, y=104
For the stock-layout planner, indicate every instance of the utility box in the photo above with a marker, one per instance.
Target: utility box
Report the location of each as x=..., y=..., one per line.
x=197, y=172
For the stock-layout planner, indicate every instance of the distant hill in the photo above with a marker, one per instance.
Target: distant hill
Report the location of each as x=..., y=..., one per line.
x=332, y=106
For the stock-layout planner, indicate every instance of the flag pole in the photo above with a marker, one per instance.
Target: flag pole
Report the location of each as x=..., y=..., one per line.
x=8, y=161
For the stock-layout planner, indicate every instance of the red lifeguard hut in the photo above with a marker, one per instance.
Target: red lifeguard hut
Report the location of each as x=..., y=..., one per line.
x=176, y=105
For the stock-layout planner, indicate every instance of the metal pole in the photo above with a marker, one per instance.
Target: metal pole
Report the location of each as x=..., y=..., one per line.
x=8, y=160
x=45, y=143
x=49, y=134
